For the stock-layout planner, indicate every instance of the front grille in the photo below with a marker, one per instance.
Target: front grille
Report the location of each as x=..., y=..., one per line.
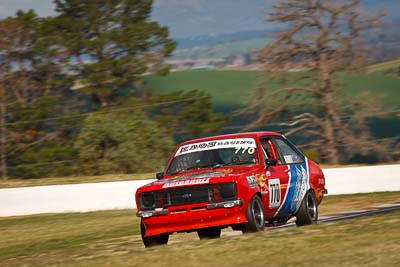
x=211, y=193
x=186, y=195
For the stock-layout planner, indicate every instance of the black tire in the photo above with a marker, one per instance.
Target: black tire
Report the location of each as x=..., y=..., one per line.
x=209, y=233
x=308, y=211
x=155, y=240
x=255, y=216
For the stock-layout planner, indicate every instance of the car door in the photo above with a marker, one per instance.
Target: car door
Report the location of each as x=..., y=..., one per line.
x=298, y=180
x=275, y=179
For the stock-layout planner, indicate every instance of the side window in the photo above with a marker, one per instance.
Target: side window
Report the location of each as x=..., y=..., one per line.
x=290, y=156
x=267, y=148
x=270, y=150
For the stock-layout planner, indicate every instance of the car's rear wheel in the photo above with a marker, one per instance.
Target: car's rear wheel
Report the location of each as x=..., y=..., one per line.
x=308, y=211
x=155, y=240
x=209, y=233
x=255, y=216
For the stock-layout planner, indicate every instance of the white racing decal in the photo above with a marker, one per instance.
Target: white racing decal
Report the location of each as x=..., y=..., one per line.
x=287, y=192
x=252, y=181
x=186, y=182
x=275, y=193
x=300, y=187
x=291, y=159
x=217, y=144
x=288, y=159
x=249, y=150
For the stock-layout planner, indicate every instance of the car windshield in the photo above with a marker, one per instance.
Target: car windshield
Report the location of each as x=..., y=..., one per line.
x=213, y=154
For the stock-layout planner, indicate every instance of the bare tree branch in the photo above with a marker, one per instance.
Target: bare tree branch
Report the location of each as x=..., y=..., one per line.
x=323, y=39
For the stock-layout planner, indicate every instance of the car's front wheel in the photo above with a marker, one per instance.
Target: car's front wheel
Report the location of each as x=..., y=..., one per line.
x=308, y=211
x=255, y=216
x=155, y=240
x=209, y=233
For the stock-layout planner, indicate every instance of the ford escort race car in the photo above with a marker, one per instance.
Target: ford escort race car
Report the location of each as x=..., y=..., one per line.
x=245, y=181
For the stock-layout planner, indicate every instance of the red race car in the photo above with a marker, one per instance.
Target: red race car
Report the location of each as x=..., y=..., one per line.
x=243, y=181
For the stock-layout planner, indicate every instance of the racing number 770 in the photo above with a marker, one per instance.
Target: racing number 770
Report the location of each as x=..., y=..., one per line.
x=249, y=150
x=275, y=193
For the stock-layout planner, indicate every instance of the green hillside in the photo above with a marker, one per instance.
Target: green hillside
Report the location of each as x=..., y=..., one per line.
x=228, y=88
x=231, y=88
x=389, y=65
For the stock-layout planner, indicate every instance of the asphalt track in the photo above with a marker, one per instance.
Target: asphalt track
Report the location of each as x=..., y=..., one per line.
x=347, y=215
x=331, y=218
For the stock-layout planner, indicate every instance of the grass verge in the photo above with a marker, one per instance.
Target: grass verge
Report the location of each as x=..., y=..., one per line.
x=75, y=180
x=113, y=238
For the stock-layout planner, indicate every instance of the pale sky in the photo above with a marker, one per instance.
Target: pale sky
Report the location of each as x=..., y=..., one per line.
x=201, y=16
x=43, y=8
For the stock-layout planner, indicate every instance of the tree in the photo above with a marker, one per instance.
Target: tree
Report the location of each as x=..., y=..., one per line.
x=21, y=91
x=322, y=39
x=112, y=43
x=32, y=86
x=122, y=142
x=188, y=114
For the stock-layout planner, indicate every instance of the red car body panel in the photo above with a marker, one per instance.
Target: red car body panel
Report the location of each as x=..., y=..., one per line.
x=281, y=188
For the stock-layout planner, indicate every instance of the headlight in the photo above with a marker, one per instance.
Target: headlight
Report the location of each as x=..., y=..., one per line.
x=222, y=192
x=147, y=200
x=228, y=191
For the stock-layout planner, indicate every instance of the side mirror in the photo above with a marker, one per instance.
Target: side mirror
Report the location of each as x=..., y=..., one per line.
x=270, y=162
x=159, y=175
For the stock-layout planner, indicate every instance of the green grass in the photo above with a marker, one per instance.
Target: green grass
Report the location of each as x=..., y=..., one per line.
x=385, y=89
x=72, y=234
x=228, y=88
x=231, y=88
x=393, y=64
x=337, y=203
x=112, y=238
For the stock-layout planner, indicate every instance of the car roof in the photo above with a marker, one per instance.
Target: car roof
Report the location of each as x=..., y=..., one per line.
x=228, y=136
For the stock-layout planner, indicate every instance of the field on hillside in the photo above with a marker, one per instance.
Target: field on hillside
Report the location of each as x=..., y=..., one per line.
x=385, y=66
x=112, y=238
x=230, y=88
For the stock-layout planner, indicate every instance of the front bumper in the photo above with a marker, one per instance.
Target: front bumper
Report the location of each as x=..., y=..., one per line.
x=191, y=217
x=163, y=211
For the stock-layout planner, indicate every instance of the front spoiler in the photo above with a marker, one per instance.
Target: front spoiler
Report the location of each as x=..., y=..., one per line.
x=164, y=211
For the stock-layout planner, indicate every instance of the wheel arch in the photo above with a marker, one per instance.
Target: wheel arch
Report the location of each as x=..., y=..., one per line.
x=312, y=190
